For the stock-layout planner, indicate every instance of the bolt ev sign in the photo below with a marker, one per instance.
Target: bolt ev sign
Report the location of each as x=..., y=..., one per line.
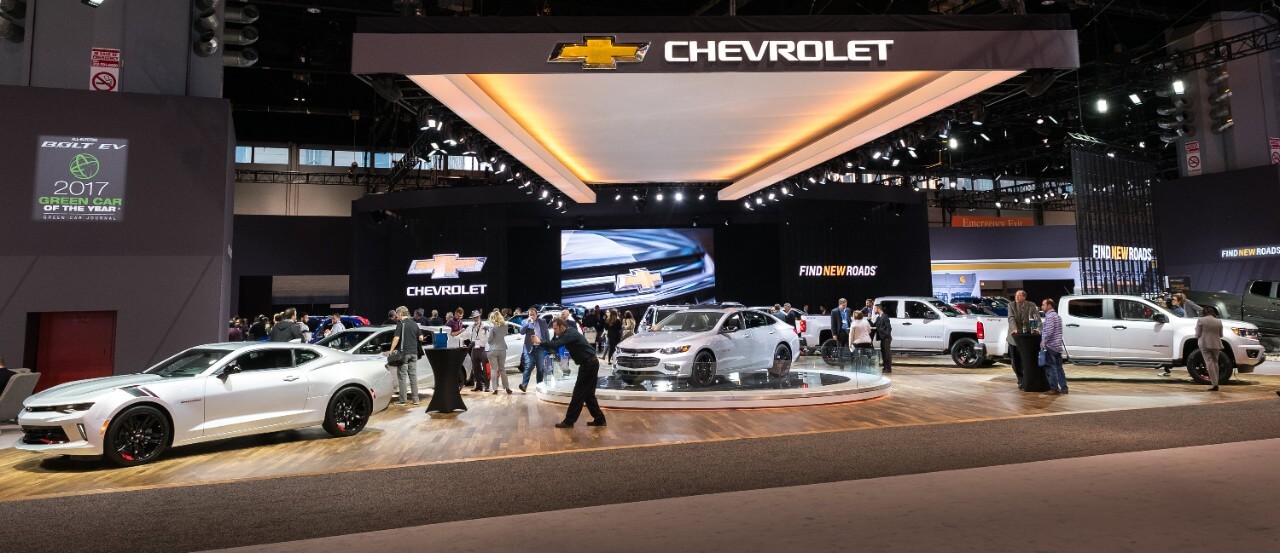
x=80, y=179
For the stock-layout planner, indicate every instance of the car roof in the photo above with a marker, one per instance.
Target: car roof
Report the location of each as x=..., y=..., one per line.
x=234, y=346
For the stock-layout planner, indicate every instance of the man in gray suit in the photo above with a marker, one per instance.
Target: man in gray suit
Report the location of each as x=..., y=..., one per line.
x=1209, y=338
x=1021, y=313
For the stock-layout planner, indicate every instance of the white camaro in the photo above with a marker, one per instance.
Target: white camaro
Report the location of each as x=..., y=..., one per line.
x=702, y=343
x=207, y=393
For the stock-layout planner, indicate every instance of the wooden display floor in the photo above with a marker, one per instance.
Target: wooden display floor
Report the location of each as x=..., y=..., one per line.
x=515, y=425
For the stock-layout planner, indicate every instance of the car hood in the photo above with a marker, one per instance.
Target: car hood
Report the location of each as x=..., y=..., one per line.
x=84, y=390
x=660, y=339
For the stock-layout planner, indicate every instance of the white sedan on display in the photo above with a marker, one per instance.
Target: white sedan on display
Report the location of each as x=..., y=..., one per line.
x=207, y=393
x=703, y=343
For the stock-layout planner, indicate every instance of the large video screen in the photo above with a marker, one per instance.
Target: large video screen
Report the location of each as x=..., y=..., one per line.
x=634, y=268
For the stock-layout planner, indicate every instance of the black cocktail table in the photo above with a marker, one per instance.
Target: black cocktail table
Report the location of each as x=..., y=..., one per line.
x=447, y=396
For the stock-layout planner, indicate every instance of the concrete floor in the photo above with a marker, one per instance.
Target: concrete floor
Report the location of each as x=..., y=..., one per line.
x=1205, y=498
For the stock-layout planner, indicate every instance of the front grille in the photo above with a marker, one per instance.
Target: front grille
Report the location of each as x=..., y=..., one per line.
x=43, y=435
x=638, y=351
x=638, y=362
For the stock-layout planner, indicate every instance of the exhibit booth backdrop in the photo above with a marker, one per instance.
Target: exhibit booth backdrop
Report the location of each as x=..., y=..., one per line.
x=490, y=247
x=118, y=204
x=1220, y=229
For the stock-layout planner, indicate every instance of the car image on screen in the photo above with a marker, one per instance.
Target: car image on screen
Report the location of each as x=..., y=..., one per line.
x=637, y=267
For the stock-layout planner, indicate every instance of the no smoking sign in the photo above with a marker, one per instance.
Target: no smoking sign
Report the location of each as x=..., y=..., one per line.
x=104, y=70
x=103, y=81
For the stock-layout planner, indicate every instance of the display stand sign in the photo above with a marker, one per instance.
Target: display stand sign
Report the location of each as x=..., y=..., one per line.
x=1275, y=150
x=1193, y=157
x=104, y=70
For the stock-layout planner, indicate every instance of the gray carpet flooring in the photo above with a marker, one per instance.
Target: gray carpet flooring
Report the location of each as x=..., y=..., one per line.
x=231, y=514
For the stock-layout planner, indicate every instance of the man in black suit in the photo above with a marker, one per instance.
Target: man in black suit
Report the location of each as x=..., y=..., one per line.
x=883, y=331
x=584, y=389
x=789, y=314
x=841, y=318
x=5, y=375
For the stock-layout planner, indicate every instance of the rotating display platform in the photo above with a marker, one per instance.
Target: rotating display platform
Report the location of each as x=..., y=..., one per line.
x=732, y=391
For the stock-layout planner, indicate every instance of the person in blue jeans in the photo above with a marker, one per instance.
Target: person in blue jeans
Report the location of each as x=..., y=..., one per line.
x=1051, y=344
x=535, y=358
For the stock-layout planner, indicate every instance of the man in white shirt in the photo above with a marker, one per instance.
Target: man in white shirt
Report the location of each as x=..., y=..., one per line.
x=335, y=325
x=477, y=336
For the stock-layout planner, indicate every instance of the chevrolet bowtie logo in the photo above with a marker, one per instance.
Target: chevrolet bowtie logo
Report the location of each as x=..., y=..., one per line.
x=599, y=52
x=640, y=280
x=446, y=265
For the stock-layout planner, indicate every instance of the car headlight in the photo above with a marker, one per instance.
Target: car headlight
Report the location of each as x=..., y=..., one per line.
x=1251, y=333
x=69, y=408
x=673, y=350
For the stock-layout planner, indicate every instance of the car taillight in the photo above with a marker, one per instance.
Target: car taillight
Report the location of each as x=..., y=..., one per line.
x=982, y=331
x=803, y=327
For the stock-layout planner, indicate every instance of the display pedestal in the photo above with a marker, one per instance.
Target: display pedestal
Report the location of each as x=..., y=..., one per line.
x=447, y=396
x=1033, y=377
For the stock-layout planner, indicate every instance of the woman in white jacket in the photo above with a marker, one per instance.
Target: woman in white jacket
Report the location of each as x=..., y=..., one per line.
x=498, y=351
x=477, y=335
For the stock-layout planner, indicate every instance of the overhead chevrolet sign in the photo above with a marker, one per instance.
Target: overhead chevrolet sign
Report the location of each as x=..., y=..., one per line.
x=604, y=52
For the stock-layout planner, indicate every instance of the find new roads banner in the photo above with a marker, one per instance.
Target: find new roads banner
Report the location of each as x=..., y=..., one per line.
x=80, y=179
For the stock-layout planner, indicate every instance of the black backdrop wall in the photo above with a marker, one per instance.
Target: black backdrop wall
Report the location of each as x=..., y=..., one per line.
x=1201, y=216
x=165, y=267
x=758, y=253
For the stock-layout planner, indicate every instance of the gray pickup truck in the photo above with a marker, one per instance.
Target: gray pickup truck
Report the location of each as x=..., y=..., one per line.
x=1259, y=304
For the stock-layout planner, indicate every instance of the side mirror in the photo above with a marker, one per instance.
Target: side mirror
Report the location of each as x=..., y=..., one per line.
x=231, y=369
x=1160, y=318
x=728, y=329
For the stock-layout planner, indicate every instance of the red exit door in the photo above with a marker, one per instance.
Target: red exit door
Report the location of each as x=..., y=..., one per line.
x=75, y=346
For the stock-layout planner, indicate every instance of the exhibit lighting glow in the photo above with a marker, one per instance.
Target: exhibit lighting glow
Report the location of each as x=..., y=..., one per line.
x=92, y=3
x=702, y=197
x=618, y=197
x=545, y=193
x=635, y=197
x=1039, y=120
x=1142, y=144
x=1052, y=120
x=659, y=196
x=997, y=205
x=1179, y=87
x=502, y=167
x=560, y=203
x=1102, y=105
x=953, y=143
x=679, y=196
x=875, y=154
x=746, y=204
x=1026, y=200
x=759, y=200
x=1137, y=100
x=773, y=196
x=913, y=154
x=985, y=137
x=896, y=161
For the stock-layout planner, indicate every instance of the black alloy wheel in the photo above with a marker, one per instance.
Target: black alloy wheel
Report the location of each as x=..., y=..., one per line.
x=137, y=436
x=833, y=354
x=704, y=370
x=781, y=361
x=348, y=412
x=964, y=353
x=1200, y=373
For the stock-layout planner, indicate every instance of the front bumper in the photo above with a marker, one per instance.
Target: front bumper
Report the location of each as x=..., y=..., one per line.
x=1249, y=356
x=60, y=433
x=654, y=364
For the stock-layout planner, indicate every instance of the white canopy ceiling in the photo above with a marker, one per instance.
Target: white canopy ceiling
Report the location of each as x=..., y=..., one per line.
x=746, y=129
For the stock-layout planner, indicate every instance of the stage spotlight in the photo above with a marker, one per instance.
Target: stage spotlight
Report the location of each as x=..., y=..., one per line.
x=695, y=222
x=746, y=204
x=559, y=203
x=1026, y=200
x=659, y=196
x=786, y=191
x=773, y=196
x=953, y=143
x=702, y=196
x=1179, y=87
x=759, y=200
x=679, y=196
x=1039, y=120
x=635, y=197
x=618, y=197
x=726, y=221
x=913, y=154
x=1101, y=105
x=896, y=161
x=545, y=193
x=580, y=222
x=874, y=155
x=546, y=223
x=92, y=3
x=1052, y=119
x=984, y=136
x=1136, y=99
x=997, y=205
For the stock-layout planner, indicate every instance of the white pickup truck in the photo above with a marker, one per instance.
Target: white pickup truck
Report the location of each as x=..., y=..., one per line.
x=927, y=325
x=1132, y=331
x=923, y=324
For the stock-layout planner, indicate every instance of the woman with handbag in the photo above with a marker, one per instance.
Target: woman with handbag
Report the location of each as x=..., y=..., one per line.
x=497, y=353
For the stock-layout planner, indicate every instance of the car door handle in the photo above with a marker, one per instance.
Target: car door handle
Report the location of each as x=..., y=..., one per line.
x=1073, y=325
x=1119, y=327
x=906, y=324
x=290, y=378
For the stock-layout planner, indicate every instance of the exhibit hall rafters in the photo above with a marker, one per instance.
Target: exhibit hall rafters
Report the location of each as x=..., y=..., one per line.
x=738, y=101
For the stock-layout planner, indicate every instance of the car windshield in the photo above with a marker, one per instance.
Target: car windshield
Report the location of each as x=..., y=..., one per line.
x=946, y=308
x=343, y=341
x=689, y=321
x=188, y=363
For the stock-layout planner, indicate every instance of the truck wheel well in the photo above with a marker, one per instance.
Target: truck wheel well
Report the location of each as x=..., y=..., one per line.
x=824, y=336
x=956, y=337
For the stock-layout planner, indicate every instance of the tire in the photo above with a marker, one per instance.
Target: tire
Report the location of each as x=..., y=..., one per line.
x=704, y=369
x=348, y=412
x=832, y=354
x=964, y=353
x=781, y=361
x=1196, y=368
x=137, y=436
